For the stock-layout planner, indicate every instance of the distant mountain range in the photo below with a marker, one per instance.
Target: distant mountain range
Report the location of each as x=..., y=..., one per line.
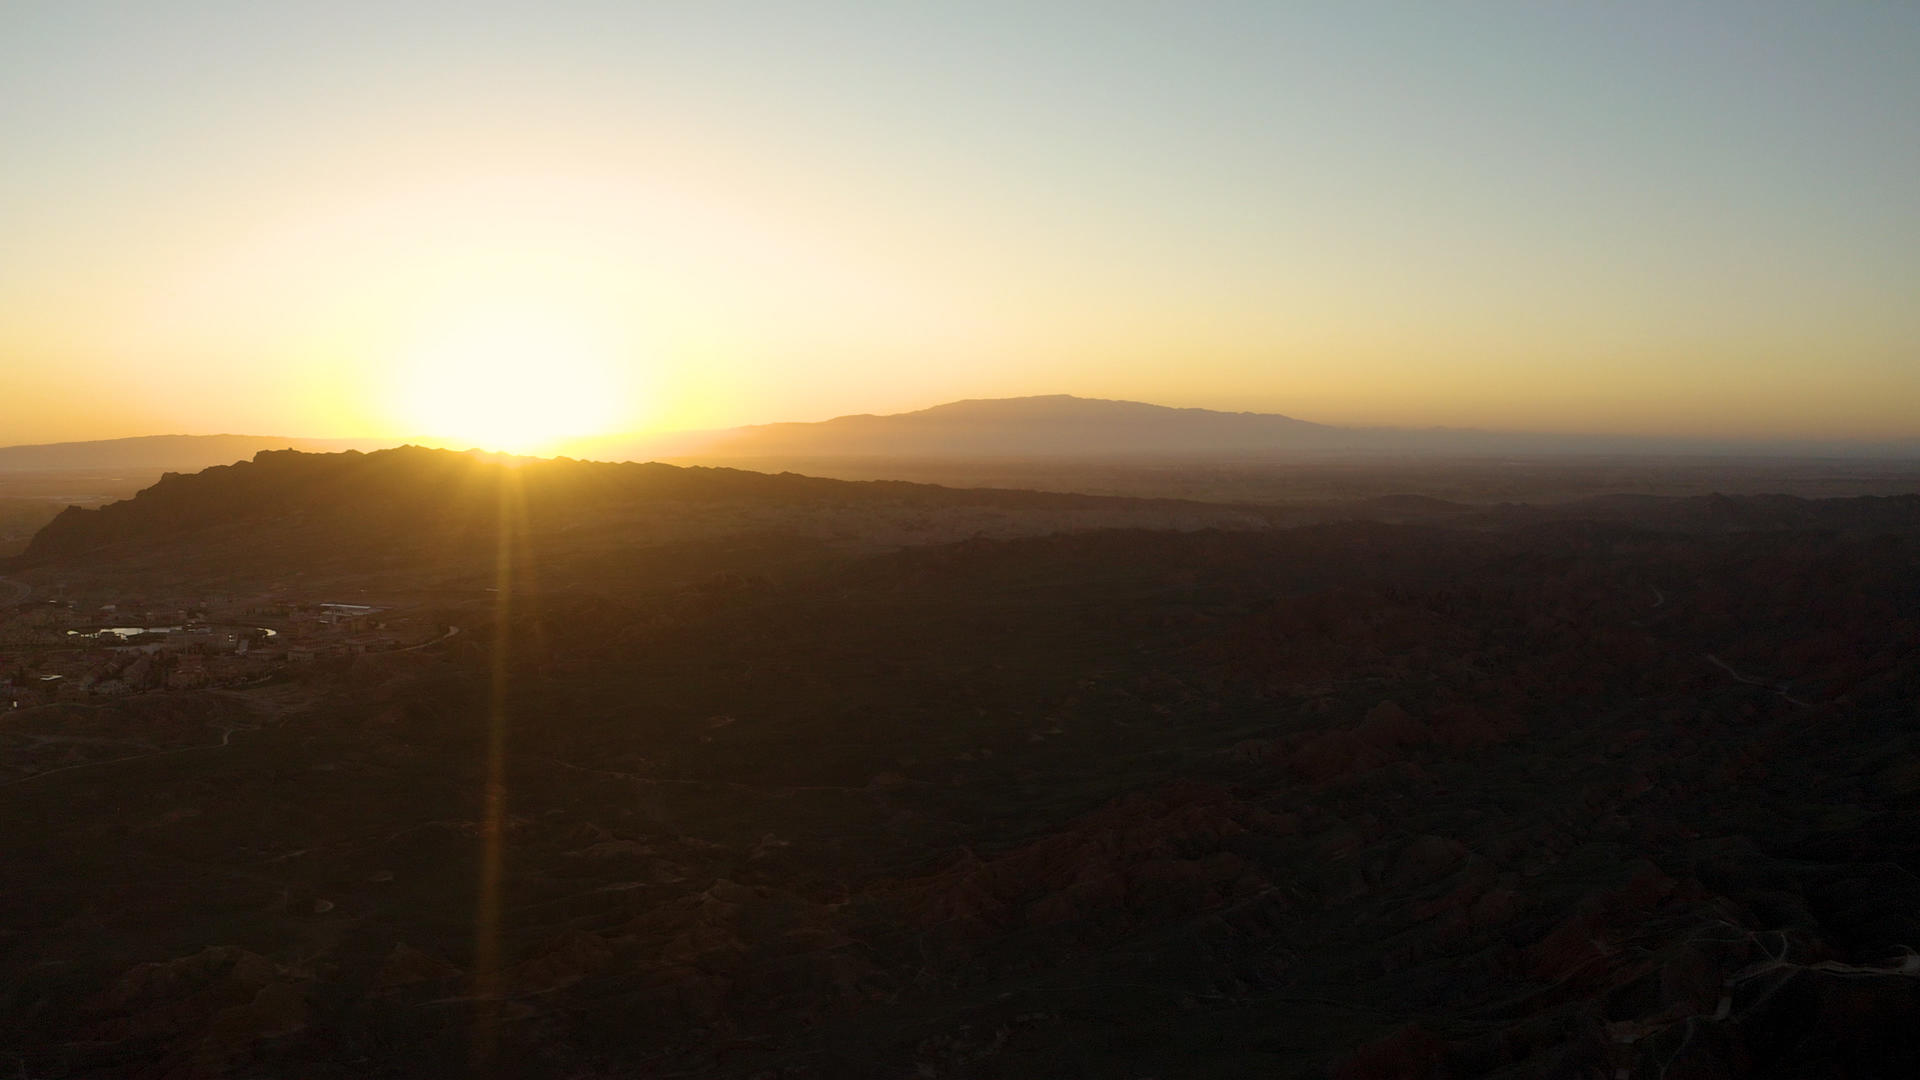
x=1052, y=427
x=1061, y=426
x=164, y=453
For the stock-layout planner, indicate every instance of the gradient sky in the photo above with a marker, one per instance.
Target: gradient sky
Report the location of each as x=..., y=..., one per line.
x=342, y=218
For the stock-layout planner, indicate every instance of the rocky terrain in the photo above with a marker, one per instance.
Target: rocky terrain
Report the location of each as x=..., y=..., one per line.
x=735, y=775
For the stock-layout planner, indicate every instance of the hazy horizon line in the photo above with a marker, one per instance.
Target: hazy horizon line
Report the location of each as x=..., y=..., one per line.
x=584, y=445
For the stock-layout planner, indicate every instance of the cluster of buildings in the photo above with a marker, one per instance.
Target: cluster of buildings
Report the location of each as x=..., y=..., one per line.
x=59, y=650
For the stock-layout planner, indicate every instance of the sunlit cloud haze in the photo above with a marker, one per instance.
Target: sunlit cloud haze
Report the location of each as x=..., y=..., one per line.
x=378, y=219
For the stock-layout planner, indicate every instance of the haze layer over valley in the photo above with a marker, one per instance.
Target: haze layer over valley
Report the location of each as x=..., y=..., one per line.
x=1070, y=444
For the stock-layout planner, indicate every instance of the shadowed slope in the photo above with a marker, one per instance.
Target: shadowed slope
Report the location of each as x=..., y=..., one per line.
x=444, y=496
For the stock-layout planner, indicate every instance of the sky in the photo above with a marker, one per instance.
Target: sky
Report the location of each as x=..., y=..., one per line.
x=514, y=223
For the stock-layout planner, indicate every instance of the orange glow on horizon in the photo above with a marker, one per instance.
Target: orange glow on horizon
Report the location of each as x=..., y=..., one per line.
x=570, y=227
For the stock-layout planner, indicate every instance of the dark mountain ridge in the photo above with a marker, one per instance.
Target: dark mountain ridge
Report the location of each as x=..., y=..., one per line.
x=451, y=495
x=462, y=493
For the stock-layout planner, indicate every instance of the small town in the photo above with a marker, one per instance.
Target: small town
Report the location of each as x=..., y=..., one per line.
x=74, y=650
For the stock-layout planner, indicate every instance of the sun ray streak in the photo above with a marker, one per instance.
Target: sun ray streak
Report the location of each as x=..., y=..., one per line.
x=488, y=988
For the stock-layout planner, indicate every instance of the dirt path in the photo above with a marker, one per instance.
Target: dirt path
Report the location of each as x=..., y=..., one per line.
x=226, y=736
x=1778, y=688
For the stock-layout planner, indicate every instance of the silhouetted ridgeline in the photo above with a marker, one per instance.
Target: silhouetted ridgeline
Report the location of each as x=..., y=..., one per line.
x=452, y=493
x=446, y=496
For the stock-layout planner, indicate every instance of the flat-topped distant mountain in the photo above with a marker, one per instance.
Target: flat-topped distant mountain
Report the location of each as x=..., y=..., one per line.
x=163, y=453
x=1054, y=425
x=1062, y=426
x=1051, y=426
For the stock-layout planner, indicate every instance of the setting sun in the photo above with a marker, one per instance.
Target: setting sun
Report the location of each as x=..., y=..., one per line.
x=844, y=539
x=521, y=382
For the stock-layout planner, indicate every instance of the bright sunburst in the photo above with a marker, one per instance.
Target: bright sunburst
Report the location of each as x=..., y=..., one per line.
x=516, y=381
